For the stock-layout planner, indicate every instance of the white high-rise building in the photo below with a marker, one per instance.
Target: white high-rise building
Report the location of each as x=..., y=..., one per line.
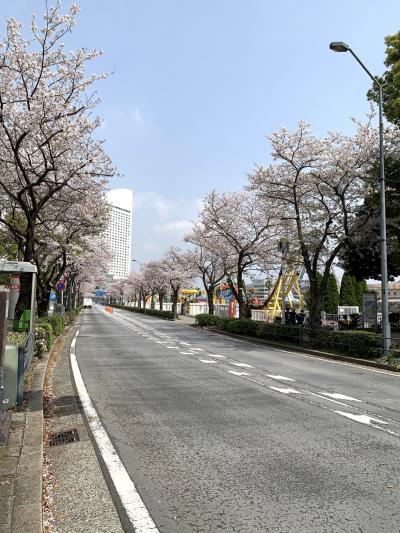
x=119, y=232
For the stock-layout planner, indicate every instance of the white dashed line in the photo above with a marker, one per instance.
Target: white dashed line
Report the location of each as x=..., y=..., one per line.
x=285, y=391
x=215, y=355
x=187, y=353
x=238, y=373
x=363, y=419
x=244, y=365
x=208, y=362
x=280, y=377
x=338, y=396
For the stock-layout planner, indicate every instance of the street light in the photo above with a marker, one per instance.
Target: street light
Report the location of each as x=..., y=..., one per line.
x=343, y=47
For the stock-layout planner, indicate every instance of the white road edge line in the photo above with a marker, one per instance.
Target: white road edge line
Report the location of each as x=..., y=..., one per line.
x=133, y=504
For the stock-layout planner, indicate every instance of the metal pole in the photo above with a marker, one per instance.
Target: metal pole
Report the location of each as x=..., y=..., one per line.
x=283, y=288
x=386, y=340
x=386, y=337
x=3, y=333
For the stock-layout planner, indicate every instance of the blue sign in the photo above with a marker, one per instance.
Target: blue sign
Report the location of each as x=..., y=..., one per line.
x=53, y=296
x=100, y=293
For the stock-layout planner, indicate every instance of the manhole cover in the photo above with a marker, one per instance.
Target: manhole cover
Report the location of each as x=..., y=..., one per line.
x=64, y=437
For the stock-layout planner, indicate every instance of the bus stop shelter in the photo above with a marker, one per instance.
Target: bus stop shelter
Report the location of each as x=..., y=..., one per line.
x=15, y=359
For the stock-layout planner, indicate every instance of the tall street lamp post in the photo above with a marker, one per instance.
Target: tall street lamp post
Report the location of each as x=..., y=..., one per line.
x=343, y=47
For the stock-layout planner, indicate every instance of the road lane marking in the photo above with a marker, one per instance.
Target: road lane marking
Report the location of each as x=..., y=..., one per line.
x=363, y=419
x=185, y=343
x=338, y=396
x=215, y=355
x=273, y=376
x=208, y=362
x=244, y=365
x=187, y=353
x=236, y=373
x=134, y=506
x=284, y=391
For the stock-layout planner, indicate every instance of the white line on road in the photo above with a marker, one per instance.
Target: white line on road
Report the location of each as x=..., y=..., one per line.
x=285, y=391
x=273, y=376
x=187, y=353
x=341, y=396
x=133, y=504
x=363, y=419
x=244, y=365
x=208, y=362
x=238, y=373
x=215, y=355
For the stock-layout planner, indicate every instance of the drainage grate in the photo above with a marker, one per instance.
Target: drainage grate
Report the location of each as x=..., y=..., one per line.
x=64, y=437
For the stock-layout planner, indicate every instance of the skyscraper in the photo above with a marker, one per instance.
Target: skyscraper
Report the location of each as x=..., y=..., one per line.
x=119, y=232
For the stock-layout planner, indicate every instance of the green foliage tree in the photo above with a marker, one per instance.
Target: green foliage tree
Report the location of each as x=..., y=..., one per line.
x=361, y=256
x=347, y=290
x=390, y=80
x=331, y=296
x=360, y=287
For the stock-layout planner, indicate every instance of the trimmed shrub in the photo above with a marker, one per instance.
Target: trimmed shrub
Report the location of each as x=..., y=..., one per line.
x=168, y=315
x=365, y=345
x=57, y=323
x=44, y=337
x=204, y=320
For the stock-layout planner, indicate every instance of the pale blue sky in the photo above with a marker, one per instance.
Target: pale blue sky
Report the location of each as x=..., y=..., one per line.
x=198, y=85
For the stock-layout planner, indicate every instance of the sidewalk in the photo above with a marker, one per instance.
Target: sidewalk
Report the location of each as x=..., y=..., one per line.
x=189, y=320
x=21, y=463
x=76, y=494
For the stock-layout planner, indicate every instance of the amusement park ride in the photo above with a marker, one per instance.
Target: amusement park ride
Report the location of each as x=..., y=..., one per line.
x=287, y=286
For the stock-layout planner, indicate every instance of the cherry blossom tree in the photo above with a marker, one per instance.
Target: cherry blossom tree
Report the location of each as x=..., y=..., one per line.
x=157, y=280
x=241, y=234
x=179, y=274
x=211, y=267
x=317, y=184
x=86, y=269
x=47, y=145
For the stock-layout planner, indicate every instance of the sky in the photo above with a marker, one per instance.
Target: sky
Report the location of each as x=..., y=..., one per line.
x=197, y=86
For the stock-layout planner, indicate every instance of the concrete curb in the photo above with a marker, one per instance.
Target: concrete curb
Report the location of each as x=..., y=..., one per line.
x=315, y=353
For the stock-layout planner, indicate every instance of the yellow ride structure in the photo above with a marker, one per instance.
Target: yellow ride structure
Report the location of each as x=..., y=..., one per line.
x=288, y=287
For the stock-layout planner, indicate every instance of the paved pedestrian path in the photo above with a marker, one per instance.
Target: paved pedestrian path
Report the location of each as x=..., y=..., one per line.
x=80, y=498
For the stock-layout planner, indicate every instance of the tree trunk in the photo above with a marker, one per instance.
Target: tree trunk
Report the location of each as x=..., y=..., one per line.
x=24, y=299
x=161, y=300
x=210, y=298
x=175, y=295
x=43, y=299
x=316, y=295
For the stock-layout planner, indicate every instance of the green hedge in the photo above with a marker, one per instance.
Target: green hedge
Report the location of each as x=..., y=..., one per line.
x=47, y=328
x=353, y=343
x=205, y=320
x=152, y=312
x=362, y=344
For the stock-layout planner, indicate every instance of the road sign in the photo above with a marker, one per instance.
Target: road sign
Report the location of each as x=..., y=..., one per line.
x=53, y=296
x=100, y=293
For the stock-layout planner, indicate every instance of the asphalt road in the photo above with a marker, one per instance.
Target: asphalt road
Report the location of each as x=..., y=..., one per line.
x=224, y=435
